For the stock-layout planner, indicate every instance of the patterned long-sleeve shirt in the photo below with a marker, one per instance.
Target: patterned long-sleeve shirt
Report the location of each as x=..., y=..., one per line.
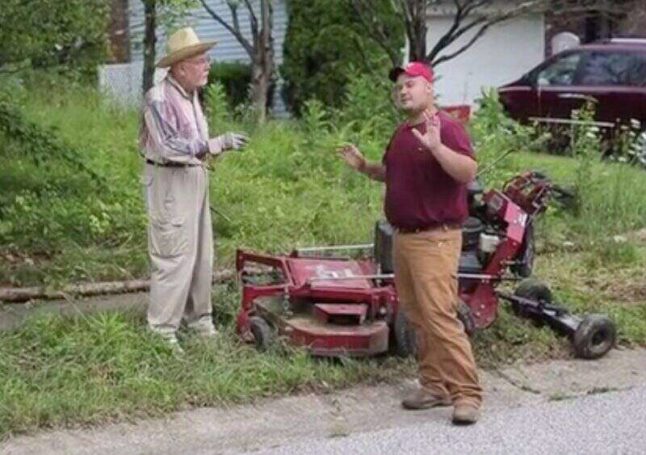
x=173, y=127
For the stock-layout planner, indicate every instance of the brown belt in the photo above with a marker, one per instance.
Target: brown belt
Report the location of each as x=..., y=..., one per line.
x=170, y=164
x=430, y=227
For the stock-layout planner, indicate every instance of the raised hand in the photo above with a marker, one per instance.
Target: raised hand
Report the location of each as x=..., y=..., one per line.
x=352, y=156
x=431, y=139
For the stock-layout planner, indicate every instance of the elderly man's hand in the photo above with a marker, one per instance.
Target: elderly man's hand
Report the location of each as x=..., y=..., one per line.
x=227, y=141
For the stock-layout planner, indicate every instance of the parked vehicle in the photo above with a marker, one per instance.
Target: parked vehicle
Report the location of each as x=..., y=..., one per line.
x=611, y=74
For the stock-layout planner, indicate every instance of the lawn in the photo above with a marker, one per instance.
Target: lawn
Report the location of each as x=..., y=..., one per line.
x=71, y=211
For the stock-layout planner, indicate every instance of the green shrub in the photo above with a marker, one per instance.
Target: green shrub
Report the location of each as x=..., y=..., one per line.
x=70, y=35
x=218, y=111
x=325, y=46
x=498, y=140
x=235, y=78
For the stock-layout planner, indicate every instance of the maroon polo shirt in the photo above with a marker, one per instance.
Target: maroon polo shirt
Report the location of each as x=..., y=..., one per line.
x=419, y=193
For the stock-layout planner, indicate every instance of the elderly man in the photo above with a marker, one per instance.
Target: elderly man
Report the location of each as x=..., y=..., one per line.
x=175, y=143
x=426, y=167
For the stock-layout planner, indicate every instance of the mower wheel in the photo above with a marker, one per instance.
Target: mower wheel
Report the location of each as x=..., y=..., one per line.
x=405, y=338
x=466, y=318
x=524, y=265
x=531, y=289
x=262, y=333
x=594, y=337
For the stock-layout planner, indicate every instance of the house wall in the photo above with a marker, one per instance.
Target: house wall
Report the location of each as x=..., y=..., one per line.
x=592, y=26
x=123, y=81
x=228, y=48
x=503, y=54
x=635, y=24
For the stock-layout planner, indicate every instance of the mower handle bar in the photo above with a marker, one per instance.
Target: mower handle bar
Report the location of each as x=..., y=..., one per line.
x=313, y=249
x=390, y=276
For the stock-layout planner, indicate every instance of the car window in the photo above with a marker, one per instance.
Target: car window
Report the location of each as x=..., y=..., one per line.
x=560, y=72
x=616, y=68
x=637, y=71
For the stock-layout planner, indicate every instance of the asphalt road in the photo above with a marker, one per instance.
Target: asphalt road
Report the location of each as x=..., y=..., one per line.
x=557, y=407
x=602, y=423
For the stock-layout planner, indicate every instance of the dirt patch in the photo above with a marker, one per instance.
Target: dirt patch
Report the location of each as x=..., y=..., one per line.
x=627, y=287
x=638, y=236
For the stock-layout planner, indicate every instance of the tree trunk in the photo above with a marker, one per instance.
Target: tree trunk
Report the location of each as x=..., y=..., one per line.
x=18, y=295
x=417, y=30
x=262, y=66
x=150, y=39
x=259, y=90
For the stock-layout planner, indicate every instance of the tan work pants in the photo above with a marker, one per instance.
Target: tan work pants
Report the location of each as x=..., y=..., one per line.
x=426, y=265
x=180, y=245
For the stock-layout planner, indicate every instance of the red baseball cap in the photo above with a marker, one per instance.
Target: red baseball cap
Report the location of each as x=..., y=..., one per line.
x=413, y=69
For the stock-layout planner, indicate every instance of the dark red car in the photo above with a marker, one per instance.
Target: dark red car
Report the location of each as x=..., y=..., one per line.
x=611, y=73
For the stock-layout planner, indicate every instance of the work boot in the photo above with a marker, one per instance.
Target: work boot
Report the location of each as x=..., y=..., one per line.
x=465, y=414
x=424, y=399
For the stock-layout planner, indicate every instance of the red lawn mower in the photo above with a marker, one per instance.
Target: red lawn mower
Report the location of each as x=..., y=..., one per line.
x=336, y=305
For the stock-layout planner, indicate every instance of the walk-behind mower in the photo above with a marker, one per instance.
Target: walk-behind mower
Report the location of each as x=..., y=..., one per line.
x=337, y=304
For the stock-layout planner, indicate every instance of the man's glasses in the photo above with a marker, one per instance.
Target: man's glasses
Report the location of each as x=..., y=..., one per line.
x=204, y=61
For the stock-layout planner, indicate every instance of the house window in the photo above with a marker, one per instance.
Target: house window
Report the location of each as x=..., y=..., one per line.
x=560, y=72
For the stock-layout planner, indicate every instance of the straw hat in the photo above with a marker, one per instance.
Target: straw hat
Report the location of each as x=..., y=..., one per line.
x=181, y=45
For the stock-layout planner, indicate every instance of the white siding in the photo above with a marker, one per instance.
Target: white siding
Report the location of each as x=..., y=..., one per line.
x=207, y=28
x=124, y=82
x=503, y=54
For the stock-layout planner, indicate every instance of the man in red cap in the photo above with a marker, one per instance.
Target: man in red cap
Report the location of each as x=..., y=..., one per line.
x=426, y=168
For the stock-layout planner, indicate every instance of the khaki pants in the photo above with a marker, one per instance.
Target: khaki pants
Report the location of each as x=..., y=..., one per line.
x=426, y=265
x=180, y=245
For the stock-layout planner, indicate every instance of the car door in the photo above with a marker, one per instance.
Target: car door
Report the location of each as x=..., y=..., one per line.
x=629, y=104
x=519, y=99
x=633, y=102
x=558, y=91
x=606, y=76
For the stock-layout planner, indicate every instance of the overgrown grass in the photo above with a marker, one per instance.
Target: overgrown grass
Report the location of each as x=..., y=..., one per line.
x=65, y=372
x=287, y=189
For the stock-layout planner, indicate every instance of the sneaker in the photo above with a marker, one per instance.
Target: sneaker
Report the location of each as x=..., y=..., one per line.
x=170, y=338
x=173, y=342
x=204, y=328
x=424, y=399
x=465, y=414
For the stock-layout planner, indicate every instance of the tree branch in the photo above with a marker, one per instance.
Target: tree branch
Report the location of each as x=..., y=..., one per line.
x=234, y=17
x=483, y=21
x=475, y=37
x=236, y=33
x=253, y=18
x=368, y=17
x=446, y=39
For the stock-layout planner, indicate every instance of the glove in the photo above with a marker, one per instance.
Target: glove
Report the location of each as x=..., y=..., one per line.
x=227, y=141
